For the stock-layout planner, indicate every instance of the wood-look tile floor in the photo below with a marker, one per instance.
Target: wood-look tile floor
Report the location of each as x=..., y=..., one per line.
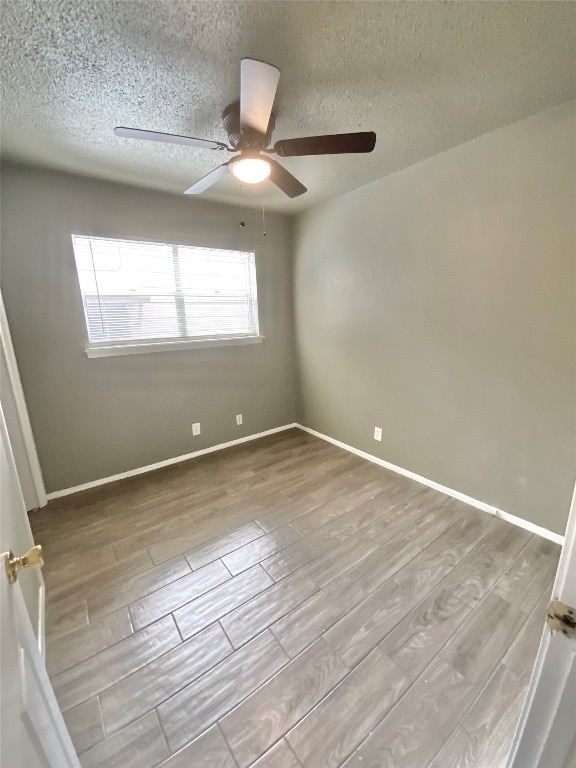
x=285, y=604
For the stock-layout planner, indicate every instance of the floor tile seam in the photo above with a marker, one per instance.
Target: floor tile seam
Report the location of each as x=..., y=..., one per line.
x=171, y=611
x=276, y=619
x=147, y=546
x=122, y=576
x=163, y=734
x=53, y=636
x=476, y=695
x=220, y=730
x=336, y=542
x=262, y=487
x=292, y=519
x=95, y=653
x=346, y=512
x=291, y=660
x=438, y=654
x=300, y=497
x=86, y=575
x=61, y=552
x=103, y=523
x=112, y=587
x=345, y=588
x=413, y=608
x=81, y=752
x=399, y=533
x=109, y=736
x=108, y=733
x=417, y=603
x=474, y=551
x=221, y=556
x=298, y=762
x=477, y=607
x=350, y=671
x=462, y=559
x=151, y=661
x=549, y=588
x=261, y=685
x=379, y=546
x=465, y=714
x=273, y=746
x=355, y=564
x=234, y=648
x=510, y=564
x=188, y=550
x=410, y=685
x=259, y=562
x=227, y=581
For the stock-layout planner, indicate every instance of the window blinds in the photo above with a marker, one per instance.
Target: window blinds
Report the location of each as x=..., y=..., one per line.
x=143, y=292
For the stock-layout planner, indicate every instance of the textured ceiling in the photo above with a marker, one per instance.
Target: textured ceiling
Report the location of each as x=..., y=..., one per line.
x=425, y=76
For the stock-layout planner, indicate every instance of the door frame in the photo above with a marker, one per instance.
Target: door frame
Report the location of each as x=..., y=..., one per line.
x=33, y=463
x=546, y=734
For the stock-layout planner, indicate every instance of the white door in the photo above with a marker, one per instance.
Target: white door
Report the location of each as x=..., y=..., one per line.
x=18, y=421
x=32, y=731
x=546, y=735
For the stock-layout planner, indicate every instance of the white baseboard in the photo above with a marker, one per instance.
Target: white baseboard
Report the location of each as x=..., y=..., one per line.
x=165, y=463
x=532, y=527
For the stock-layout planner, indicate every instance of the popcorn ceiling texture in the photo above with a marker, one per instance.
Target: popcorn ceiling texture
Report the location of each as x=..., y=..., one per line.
x=426, y=76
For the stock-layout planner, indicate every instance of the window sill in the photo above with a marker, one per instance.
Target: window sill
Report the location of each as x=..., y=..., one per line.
x=170, y=346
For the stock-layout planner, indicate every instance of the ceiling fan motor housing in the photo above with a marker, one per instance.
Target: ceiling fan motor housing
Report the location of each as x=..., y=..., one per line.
x=249, y=139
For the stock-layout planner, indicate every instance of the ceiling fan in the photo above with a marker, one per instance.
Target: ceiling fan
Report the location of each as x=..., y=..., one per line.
x=249, y=124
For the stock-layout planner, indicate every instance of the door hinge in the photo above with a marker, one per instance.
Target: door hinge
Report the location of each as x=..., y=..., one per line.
x=562, y=618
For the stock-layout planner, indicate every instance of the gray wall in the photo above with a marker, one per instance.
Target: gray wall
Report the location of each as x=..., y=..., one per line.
x=439, y=303
x=96, y=417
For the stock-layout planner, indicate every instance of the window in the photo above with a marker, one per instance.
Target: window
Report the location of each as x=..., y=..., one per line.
x=140, y=296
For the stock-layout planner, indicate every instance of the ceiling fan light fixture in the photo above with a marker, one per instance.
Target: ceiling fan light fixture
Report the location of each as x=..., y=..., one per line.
x=250, y=170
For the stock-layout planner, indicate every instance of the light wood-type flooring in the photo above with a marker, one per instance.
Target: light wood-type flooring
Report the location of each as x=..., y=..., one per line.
x=285, y=603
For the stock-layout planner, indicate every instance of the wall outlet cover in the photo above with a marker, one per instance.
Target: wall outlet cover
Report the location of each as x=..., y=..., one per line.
x=378, y=434
x=239, y=419
x=196, y=428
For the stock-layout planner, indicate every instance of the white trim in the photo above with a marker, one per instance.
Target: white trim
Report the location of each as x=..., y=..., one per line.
x=42, y=621
x=532, y=527
x=170, y=346
x=166, y=462
x=21, y=408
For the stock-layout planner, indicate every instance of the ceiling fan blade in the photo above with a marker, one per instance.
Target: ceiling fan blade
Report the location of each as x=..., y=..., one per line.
x=258, y=83
x=168, y=138
x=336, y=144
x=207, y=181
x=284, y=180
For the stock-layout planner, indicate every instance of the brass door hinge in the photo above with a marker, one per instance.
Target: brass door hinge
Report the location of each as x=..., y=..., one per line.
x=562, y=618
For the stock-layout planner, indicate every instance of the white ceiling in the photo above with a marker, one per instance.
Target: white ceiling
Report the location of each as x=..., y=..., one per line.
x=425, y=76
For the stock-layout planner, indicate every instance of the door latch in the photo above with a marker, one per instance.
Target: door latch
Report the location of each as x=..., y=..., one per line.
x=562, y=618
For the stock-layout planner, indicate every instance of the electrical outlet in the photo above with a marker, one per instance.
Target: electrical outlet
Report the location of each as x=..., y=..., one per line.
x=196, y=428
x=378, y=434
x=239, y=419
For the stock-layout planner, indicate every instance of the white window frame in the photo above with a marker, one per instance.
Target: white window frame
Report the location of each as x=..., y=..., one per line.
x=109, y=348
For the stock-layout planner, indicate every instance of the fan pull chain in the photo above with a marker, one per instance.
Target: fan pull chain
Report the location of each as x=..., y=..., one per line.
x=242, y=222
x=263, y=223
